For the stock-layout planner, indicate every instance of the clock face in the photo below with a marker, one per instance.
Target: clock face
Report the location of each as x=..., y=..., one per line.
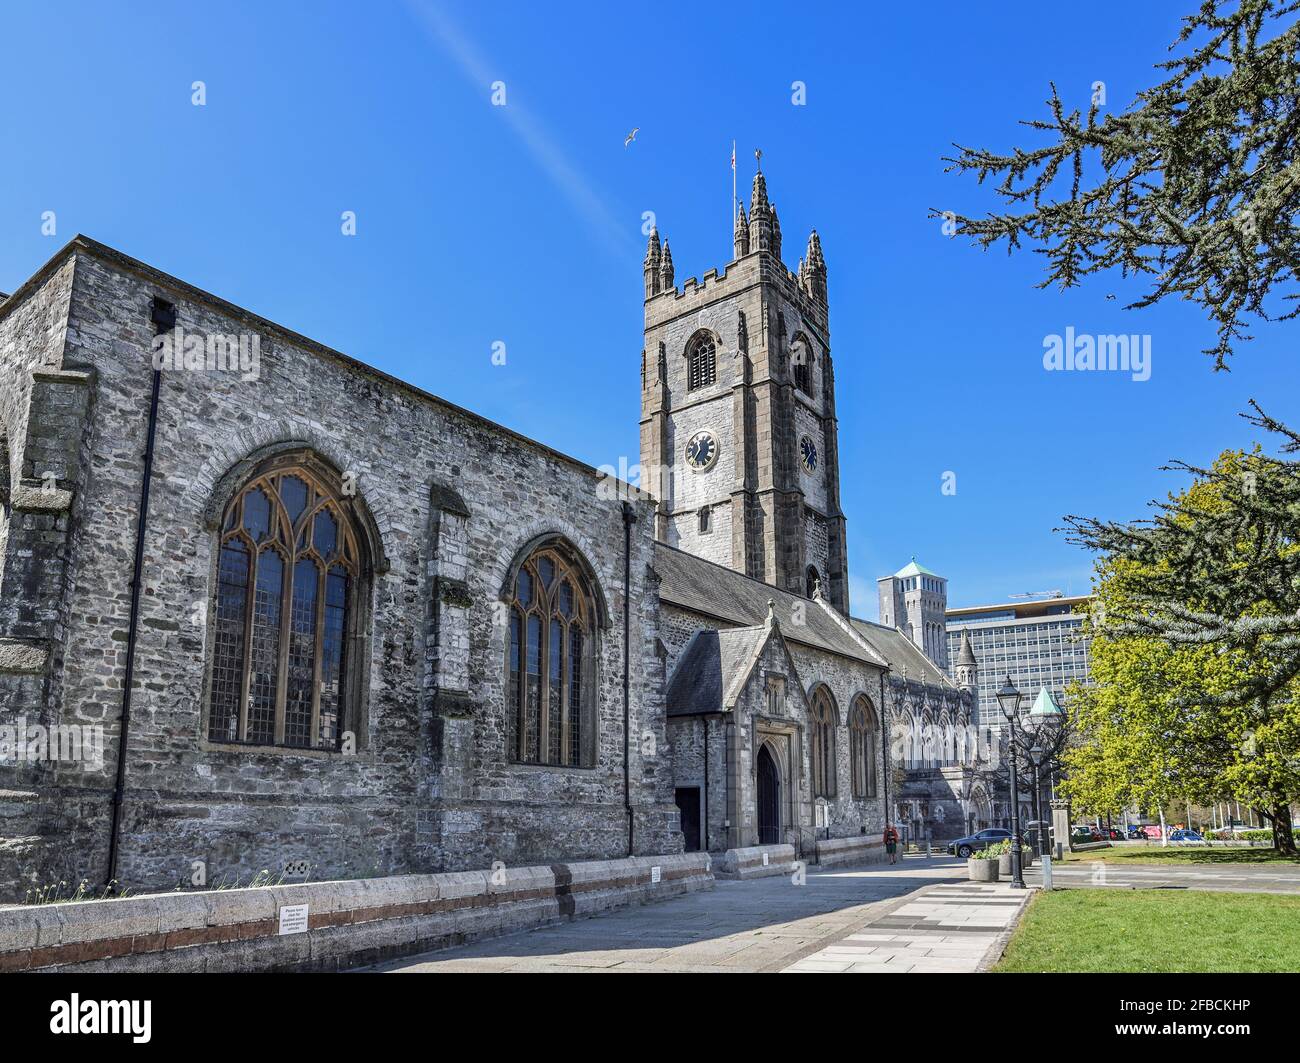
x=701, y=451
x=808, y=454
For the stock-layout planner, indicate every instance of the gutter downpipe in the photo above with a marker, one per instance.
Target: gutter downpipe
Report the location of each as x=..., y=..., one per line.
x=629, y=518
x=124, y=725
x=884, y=734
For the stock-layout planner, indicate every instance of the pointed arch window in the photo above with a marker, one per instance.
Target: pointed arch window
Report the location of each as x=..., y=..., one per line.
x=862, y=734
x=551, y=680
x=801, y=366
x=812, y=581
x=289, y=578
x=823, y=744
x=701, y=362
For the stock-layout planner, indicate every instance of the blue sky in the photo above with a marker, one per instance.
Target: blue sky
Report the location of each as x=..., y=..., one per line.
x=522, y=224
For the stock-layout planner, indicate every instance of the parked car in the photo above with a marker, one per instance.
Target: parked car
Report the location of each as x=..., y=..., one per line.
x=973, y=843
x=1113, y=833
x=1182, y=835
x=1137, y=834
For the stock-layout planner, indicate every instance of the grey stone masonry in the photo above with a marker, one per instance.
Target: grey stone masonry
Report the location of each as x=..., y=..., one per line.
x=448, y=499
x=772, y=402
x=345, y=924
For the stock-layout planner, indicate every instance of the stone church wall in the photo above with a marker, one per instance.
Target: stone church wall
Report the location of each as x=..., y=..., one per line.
x=430, y=787
x=845, y=678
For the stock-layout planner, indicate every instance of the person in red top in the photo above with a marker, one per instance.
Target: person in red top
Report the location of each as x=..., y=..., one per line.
x=891, y=843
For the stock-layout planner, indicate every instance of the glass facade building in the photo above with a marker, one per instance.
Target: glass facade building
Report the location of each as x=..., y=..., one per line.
x=1037, y=643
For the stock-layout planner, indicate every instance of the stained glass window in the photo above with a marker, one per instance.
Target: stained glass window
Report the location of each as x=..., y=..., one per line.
x=548, y=686
x=823, y=744
x=287, y=580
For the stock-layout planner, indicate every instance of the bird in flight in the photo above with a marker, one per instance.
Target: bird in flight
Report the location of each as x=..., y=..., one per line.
x=631, y=136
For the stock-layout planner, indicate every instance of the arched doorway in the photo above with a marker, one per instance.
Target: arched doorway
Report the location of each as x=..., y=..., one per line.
x=769, y=799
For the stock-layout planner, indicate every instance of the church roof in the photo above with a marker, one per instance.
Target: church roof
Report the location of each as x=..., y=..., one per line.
x=913, y=569
x=902, y=653
x=966, y=655
x=701, y=586
x=706, y=675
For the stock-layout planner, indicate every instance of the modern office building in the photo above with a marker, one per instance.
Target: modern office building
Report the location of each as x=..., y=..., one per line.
x=1039, y=644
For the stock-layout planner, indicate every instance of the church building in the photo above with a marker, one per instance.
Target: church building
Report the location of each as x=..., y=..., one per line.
x=265, y=609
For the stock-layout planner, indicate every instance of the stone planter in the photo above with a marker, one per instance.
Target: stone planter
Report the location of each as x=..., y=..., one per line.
x=1004, y=862
x=982, y=870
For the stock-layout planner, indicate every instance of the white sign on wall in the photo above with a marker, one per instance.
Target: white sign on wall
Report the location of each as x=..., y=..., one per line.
x=293, y=919
x=656, y=873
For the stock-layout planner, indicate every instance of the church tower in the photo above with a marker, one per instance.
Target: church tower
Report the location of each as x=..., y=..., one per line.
x=739, y=441
x=915, y=600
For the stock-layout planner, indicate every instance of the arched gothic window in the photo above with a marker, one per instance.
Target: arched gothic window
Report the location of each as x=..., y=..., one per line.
x=812, y=580
x=290, y=579
x=823, y=744
x=908, y=731
x=801, y=363
x=862, y=735
x=551, y=681
x=701, y=362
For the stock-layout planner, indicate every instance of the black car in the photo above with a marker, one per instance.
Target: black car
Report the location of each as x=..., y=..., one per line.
x=963, y=847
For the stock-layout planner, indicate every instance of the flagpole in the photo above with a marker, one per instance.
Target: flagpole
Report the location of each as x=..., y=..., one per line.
x=732, y=220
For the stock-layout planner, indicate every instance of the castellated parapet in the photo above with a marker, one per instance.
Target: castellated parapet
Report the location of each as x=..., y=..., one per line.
x=760, y=401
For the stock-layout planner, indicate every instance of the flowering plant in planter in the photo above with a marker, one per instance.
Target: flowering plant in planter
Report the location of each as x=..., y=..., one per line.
x=982, y=866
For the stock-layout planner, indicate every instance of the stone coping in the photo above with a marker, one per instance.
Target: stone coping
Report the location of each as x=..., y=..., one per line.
x=858, y=848
x=450, y=907
x=755, y=861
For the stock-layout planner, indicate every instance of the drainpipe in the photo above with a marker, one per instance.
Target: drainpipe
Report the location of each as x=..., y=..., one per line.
x=884, y=738
x=629, y=518
x=704, y=842
x=164, y=319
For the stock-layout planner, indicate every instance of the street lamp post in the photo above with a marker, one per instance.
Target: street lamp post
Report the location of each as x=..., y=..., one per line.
x=1009, y=702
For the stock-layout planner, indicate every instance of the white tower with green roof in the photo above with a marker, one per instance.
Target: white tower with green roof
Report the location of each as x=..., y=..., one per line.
x=914, y=600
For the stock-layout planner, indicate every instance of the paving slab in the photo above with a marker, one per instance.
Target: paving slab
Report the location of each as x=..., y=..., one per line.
x=764, y=924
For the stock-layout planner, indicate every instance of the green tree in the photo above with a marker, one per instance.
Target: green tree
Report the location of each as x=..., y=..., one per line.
x=1196, y=650
x=1195, y=185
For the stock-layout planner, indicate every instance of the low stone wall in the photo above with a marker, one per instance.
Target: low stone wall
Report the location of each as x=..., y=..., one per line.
x=855, y=850
x=755, y=862
x=345, y=924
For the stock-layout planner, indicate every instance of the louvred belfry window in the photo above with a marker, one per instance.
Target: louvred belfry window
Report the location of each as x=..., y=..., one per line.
x=701, y=363
x=550, y=686
x=288, y=579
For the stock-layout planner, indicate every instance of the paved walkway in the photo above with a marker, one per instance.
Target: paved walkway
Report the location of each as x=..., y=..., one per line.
x=948, y=928
x=1124, y=874
x=765, y=924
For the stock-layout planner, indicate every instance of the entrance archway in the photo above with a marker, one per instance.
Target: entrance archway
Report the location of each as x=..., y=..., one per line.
x=769, y=799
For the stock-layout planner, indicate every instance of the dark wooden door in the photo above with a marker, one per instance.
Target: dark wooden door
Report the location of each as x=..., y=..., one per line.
x=688, y=803
x=769, y=799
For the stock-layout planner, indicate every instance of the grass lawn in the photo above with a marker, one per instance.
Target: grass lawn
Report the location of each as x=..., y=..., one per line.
x=1180, y=854
x=1153, y=930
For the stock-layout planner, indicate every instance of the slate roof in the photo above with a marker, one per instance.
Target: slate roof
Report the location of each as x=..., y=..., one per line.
x=709, y=667
x=693, y=583
x=902, y=653
x=966, y=655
